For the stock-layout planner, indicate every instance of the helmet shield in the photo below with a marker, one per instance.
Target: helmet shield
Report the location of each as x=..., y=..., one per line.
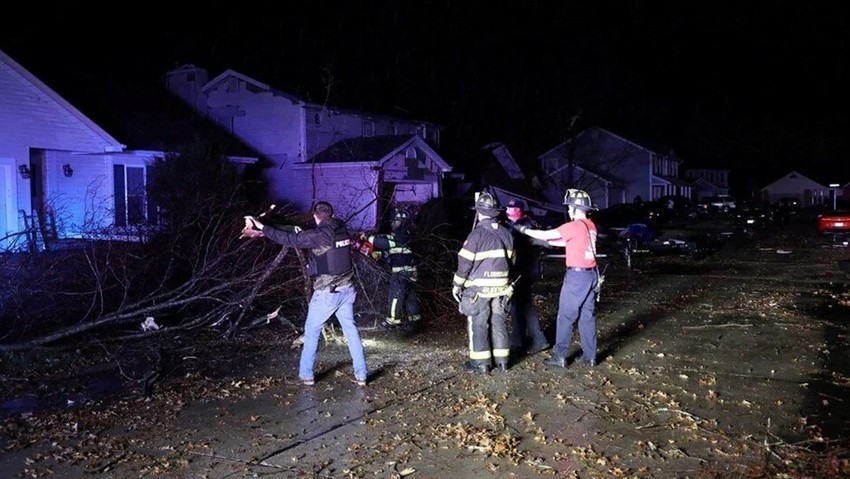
x=579, y=199
x=487, y=205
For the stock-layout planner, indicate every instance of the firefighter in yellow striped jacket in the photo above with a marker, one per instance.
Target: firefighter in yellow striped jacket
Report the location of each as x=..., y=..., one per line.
x=482, y=287
x=394, y=250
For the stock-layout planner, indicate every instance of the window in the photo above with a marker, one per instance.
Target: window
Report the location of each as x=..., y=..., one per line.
x=392, y=129
x=129, y=183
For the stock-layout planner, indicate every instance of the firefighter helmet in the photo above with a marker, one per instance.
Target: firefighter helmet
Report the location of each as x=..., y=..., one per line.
x=401, y=220
x=578, y=198
x=487, y=205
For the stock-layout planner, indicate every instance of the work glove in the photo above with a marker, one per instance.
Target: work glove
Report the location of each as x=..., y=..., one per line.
x=456, y=292
x=376, y=255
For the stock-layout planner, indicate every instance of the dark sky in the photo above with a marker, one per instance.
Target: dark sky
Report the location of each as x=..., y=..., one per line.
x=752, y=86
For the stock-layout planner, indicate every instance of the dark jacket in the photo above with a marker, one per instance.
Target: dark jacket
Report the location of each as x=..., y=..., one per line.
x=328, y=234
x=485, y=260
x=527, y=265
x=400, y=259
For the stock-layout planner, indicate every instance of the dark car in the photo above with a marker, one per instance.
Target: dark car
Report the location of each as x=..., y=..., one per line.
x=754, y=216
x=675, y=208
x=617, y=218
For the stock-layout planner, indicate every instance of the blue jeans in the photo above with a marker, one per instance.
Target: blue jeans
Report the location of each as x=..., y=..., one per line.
x=323, y=305
x=577, y=302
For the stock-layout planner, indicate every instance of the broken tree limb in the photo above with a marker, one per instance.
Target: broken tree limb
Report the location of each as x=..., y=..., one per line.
x=246, y=305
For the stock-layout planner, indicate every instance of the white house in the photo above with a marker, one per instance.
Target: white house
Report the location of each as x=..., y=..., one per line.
x=363, y=173
x=795, y=185
x=611, y=168
x=59, y=171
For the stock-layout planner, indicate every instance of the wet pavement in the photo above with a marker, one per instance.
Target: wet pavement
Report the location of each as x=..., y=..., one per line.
x=714, y=367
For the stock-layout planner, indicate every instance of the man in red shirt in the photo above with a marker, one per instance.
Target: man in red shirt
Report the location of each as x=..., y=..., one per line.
x=577, y=300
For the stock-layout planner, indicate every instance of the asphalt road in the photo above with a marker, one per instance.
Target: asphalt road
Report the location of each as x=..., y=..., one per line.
x=723, y=366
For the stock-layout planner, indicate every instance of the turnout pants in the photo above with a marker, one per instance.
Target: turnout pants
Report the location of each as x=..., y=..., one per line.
x=403, y=300
x=488, y=327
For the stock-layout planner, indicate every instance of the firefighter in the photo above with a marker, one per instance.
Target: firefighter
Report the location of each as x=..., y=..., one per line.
x=394, y=250
x=579, y=289
x=482, y=287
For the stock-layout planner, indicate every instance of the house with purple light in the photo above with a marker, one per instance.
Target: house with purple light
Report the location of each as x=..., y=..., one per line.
x=61, y=175
x=363, y=163
x=612, y=169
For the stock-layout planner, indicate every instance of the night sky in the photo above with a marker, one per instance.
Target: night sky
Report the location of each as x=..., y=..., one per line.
x=750, y=86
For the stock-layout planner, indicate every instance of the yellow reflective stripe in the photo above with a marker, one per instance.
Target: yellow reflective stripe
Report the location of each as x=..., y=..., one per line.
x=409, y=269
x=399, y=250
x=493, y=293
x=458, y=280
x=487, y=282
x=392, y=308
x=501, y=353
x=478, y=354
x=493, y=253
x=466, y=254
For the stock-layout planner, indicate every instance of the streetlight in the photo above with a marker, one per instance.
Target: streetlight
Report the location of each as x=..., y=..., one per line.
x=833, y=186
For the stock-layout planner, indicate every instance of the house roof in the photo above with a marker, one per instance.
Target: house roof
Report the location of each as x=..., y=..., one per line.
x=258, y=84
x=112, y=143
x=365, y=149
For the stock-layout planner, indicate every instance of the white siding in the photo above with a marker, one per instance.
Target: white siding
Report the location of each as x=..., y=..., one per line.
x=34, y=116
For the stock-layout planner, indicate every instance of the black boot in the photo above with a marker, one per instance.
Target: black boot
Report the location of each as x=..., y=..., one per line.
x=502, y=364
x=477, y=366
x=556, y=361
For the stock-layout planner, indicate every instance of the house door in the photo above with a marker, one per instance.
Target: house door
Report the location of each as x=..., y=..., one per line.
x=7, y=208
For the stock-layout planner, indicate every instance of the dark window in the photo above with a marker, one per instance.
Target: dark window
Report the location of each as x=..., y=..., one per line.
x=129, y=182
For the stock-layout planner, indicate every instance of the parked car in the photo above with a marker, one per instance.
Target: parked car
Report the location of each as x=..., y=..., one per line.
x=617, y=218
x=675, y=208
x=721, y=203
x=754, y=216
x=837, y=221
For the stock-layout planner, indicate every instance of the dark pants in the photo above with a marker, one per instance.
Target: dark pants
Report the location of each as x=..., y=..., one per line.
x=525, y=323
x=488, y=328
x=403, y=299
x=577, y=303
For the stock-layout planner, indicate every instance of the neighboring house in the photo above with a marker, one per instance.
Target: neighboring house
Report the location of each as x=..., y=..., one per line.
x=62, y=176
x=364, y=177
x=59, y=171
x=795, y=185
x=612, y=169
x=708, y=182
x=292, y=135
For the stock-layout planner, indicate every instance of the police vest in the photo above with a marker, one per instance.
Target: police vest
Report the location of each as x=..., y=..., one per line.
x=335, y=260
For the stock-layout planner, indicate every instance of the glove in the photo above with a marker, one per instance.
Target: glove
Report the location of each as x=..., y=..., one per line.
x=376, y=255
x=456, y=292
x=519, y=228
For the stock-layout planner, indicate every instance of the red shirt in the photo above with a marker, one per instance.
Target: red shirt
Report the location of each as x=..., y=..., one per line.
x=580, y=239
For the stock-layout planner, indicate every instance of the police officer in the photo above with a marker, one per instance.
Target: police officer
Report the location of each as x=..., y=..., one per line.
x=578, y=292
x=395, y=251
x=482, y=286
x=333, y=289
x=525, y=323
